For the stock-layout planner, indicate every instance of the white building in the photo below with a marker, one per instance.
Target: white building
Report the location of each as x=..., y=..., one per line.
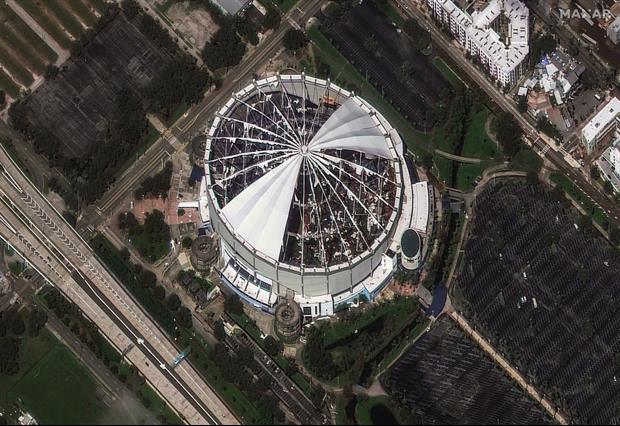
x=503, y=53
x=613, y=31
x=606, y=121
x=309, y=191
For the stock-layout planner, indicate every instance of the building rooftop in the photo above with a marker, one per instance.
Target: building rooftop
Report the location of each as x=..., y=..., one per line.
x=232, y=7
x=601, y=120
x=479, y=27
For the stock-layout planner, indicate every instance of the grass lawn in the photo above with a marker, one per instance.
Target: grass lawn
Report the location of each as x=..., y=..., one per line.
x=467, y=175
x=478, y=144
x=447, y=72
x=53, y=385
x=344, y=73
x=527, y=160
x=363, y=410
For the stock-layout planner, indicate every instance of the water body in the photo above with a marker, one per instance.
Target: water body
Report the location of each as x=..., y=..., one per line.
x=381, y=415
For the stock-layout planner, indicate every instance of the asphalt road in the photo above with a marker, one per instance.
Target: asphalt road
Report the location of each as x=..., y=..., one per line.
x=53, y=241
x=536, y=139
x=181, y=133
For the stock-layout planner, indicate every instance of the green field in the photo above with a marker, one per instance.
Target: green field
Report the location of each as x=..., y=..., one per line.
x=14, y=66
x=526, y=160
x=8, y=85
x=82, y=12
x=447, y=72
x=23, y=52
x=48, y=24
x=346, y=74
x=53, y=385
x=478, y=144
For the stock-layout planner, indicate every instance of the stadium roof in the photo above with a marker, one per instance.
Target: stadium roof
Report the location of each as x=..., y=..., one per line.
x=259, y=213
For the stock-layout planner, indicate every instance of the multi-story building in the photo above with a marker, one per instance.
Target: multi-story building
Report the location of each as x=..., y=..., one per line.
x=498, y=35
x=613, y=31
x=602, y=125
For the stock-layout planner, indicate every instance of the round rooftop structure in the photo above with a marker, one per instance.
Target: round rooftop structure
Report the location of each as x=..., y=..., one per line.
x=304, y=184
x=204, y=253
x=410, y=243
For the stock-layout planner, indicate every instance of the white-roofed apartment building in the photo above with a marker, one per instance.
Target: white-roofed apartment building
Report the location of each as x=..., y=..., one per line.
x=604, y=128
x=498, y=35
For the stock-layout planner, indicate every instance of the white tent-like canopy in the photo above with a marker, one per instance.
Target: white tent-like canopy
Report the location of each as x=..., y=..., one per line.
x=273, y=148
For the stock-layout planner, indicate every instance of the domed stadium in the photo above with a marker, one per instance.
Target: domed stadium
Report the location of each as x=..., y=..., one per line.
x=304, y=182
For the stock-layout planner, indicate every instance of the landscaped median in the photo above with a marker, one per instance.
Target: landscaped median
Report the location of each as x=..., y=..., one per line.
x=347, y=350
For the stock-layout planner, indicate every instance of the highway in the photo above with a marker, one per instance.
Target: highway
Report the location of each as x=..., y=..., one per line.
x=545, y=147
x=38, y=232
x=180, y=134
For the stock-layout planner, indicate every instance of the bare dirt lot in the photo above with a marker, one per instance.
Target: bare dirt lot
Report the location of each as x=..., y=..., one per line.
x=193, y=22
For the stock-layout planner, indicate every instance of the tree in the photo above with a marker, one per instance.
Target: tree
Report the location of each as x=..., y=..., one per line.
x=595, y=173
x=272, y=346
x=36, y=321
x=51, y=71
x=173, y=303
x=272, y=19
x=219, y=331
x=294, y=40
x=17, y=324
x=508, y=133
x=2, y=98
x=420, y=36
x=608, y=187
x=532, y=178
x=184, y=317
x=181, y=212
x=233, y=304
x=187, y=242
x=522, y=104
x=159, y=293
x=224, y=50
